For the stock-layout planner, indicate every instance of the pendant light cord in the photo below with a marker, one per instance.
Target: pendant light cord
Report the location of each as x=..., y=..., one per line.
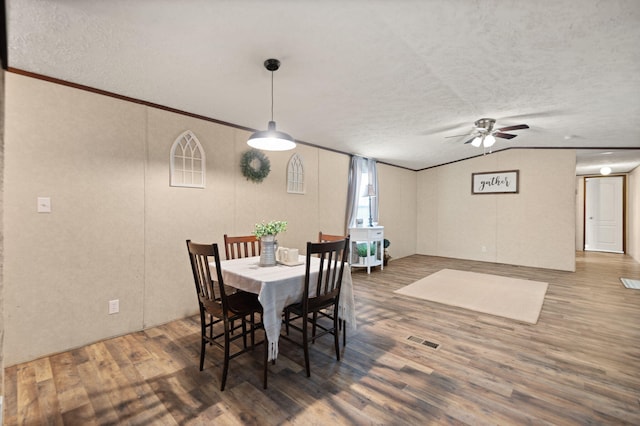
x=271, y=95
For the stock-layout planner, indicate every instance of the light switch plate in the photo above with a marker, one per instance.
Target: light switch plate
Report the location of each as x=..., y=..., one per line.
x=114, y=306
x=44, y=205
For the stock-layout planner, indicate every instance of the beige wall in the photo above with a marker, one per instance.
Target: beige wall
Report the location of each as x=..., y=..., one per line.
x=535, y=227
x=87, y=153
x=397, y=188
x=117, y=229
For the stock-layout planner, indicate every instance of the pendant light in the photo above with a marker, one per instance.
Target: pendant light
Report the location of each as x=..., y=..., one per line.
x=271, y=139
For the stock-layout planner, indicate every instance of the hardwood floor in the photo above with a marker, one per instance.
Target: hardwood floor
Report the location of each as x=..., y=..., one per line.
x=580, y=364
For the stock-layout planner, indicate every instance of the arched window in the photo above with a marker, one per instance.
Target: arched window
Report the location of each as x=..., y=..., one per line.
x=295, y=175
x=187, y=162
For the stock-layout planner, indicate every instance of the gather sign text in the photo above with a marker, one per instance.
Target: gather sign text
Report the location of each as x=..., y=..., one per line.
x=495, y=182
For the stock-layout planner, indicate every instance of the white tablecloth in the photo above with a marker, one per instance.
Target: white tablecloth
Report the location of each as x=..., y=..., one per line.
x=279, y=286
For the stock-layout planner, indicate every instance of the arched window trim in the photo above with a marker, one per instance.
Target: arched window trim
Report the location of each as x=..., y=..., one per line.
x=187, y=162
x=295, y=175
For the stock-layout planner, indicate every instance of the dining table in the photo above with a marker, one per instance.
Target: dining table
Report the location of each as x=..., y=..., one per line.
x=281, y=285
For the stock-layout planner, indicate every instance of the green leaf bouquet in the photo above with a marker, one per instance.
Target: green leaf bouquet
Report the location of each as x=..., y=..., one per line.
x=270, y=228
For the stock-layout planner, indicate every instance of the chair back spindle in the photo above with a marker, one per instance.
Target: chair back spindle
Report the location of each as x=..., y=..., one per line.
x=241, y=246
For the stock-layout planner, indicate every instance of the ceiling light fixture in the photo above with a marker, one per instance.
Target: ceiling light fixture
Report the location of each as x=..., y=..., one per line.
x=605, y=170
x=486, y=140
x=271, y=139
x=489, y=140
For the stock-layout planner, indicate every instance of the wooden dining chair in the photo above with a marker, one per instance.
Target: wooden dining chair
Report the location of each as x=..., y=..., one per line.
x=219, y=311
x=321, y=297
x=322, y=237
x=242, y=246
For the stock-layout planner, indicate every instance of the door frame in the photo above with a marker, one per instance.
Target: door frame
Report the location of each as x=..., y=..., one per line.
x=624, y=208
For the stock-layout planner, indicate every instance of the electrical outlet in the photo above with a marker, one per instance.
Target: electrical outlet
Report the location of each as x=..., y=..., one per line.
x=44, y=205
x=114, y=306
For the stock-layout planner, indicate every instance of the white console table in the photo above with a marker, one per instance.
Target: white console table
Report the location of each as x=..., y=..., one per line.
x=369, y=235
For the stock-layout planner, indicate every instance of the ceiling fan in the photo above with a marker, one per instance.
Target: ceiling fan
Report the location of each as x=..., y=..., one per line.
x=483, y=133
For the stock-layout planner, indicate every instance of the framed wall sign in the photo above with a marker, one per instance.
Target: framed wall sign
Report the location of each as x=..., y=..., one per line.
x=505, y=182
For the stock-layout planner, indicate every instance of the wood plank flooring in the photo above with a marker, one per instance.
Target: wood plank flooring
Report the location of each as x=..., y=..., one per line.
x=580, y=364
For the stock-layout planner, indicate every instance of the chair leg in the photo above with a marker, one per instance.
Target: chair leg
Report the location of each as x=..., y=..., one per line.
x=244, y=332
x=266, y=362
x=286, y=321
x=253, y=330
x=305, y=344
x=336, y=336
x=203, y=346
x=212, y=319
x=225, y=368
x=344, y=333
x=203, y=334
x=313, y=327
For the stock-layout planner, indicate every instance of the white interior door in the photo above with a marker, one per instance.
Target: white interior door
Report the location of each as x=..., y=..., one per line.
x=603, y=214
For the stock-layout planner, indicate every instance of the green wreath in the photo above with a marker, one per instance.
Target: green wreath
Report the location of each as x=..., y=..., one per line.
x=255, y=165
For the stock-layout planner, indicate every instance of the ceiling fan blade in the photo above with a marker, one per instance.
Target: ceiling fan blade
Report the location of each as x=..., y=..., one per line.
x=504, y=135
x=508, y=128
x=470, y=140
x=456, y=136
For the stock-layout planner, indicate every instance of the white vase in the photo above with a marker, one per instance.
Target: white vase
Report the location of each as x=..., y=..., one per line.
x=368, y=260
x=268, y=246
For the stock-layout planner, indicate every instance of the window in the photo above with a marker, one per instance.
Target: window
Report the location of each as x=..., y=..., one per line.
x=295, y=175
x=362, y=197
x=187, y=162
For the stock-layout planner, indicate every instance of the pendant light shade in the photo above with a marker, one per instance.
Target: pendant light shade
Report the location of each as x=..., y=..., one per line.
x=489, y=140
x=486, y=140
x=271, y=139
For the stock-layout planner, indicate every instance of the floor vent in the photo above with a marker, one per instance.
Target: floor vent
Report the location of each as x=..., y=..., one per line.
x=421, y=341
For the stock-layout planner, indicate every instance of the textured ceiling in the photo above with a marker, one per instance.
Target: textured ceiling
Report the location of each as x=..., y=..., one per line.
x=383, y=79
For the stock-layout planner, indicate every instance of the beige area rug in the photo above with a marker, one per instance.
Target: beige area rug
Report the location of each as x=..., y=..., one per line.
x=513, y=298
x=630, y=283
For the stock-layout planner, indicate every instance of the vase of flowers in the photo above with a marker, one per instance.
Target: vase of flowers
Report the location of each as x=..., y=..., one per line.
x=267, y=233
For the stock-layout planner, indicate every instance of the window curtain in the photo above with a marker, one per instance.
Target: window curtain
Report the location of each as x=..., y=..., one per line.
x=358, y=189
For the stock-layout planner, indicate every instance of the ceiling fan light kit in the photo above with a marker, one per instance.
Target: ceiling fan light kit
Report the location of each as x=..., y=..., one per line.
x=271, y=139
x=489, y=140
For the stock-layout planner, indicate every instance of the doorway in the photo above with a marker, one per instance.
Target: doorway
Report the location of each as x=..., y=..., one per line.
x=604, y=214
